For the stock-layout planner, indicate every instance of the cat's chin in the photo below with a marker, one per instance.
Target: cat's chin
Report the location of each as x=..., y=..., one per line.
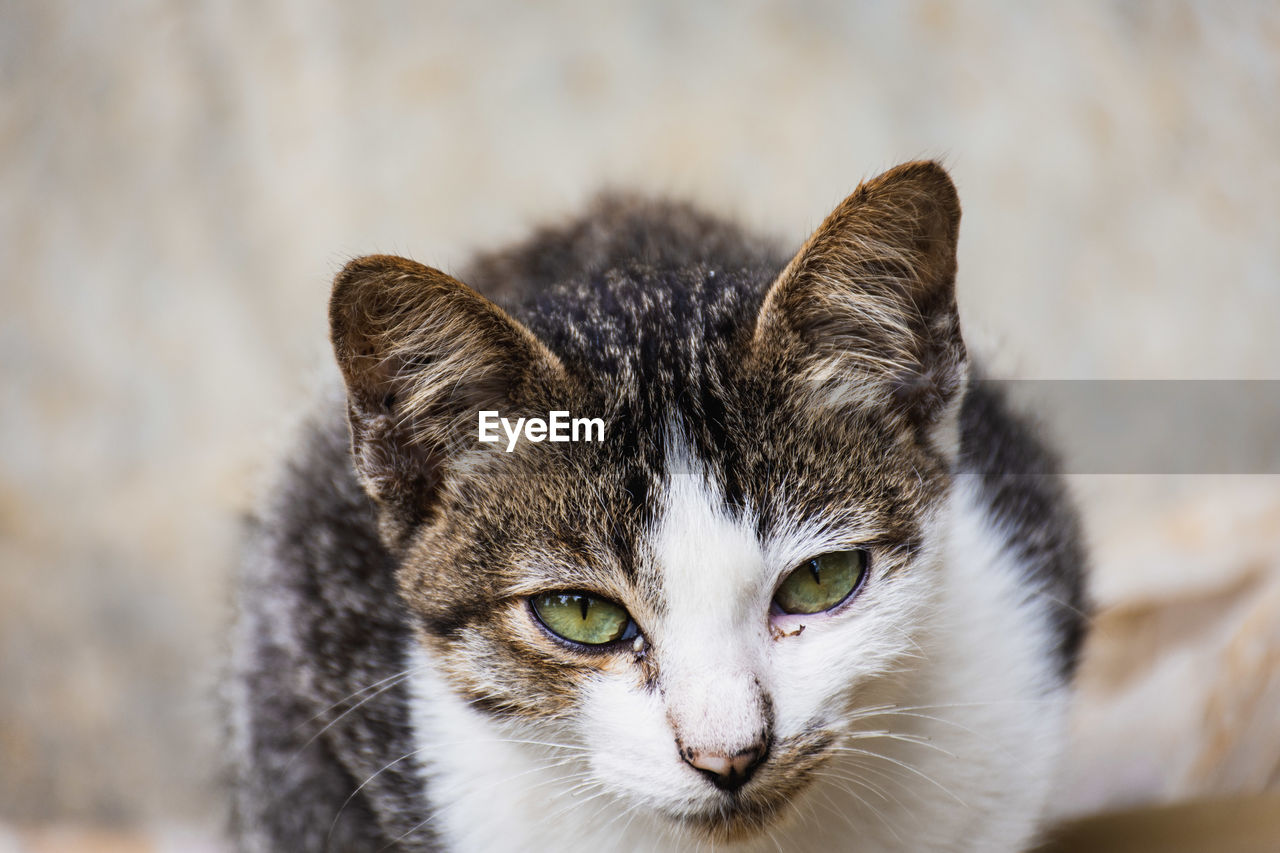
x=734, y=823
x=738, y=818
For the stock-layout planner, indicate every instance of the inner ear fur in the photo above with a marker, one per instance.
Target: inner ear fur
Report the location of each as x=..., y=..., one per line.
x=421, y=353
x=866, y=310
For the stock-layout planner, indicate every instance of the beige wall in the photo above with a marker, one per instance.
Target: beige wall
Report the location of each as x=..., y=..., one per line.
x=181, y=180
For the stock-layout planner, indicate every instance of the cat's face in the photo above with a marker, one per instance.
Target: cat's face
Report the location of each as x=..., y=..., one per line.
x=697, y=608
x=691, y=665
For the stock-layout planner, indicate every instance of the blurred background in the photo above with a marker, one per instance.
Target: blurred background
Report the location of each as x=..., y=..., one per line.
x=181, y=180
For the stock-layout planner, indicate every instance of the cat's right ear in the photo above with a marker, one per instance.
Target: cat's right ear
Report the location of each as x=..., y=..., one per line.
x=421, y=354
x=866, y=311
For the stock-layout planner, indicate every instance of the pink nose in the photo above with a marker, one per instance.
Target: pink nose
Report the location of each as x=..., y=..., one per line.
x=726, y=772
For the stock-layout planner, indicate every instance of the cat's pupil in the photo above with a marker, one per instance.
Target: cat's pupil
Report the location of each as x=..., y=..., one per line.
x=816, y=570
x=585, y=604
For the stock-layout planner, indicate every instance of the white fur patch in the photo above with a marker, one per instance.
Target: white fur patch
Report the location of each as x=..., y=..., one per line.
x=714, y=627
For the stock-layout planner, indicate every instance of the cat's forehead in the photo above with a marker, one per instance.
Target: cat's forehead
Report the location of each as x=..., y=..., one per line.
x=649, y=326
x=722, y=459
x=657, y=509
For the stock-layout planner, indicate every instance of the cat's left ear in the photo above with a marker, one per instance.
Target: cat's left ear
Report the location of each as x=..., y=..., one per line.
x=866, y=311
x=422, y=354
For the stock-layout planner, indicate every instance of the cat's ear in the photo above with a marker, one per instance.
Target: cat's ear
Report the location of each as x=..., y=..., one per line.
x=866, y=311
x=422, y=354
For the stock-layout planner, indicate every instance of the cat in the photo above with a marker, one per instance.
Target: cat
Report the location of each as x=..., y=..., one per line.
x=814, y=588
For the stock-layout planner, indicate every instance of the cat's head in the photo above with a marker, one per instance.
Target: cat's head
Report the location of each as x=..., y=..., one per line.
x=699, y=604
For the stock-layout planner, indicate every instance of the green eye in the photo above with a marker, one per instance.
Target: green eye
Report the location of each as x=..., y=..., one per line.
x=582, y=618
x=821, y=583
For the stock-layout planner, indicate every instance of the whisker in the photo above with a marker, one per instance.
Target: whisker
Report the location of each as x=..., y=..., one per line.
x=332, y=826
x=909, y=768
x=876, y=709
x=415, y=752
x=898, y=736
x=869, y=806
x=398, y=679
x=441, y=809
x=401, y=674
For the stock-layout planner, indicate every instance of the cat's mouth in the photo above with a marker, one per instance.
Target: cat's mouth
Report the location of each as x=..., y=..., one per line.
x=740, y=816
x=765, y=800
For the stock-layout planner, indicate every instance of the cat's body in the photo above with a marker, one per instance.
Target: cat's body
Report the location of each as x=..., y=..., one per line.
x=397, y=686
